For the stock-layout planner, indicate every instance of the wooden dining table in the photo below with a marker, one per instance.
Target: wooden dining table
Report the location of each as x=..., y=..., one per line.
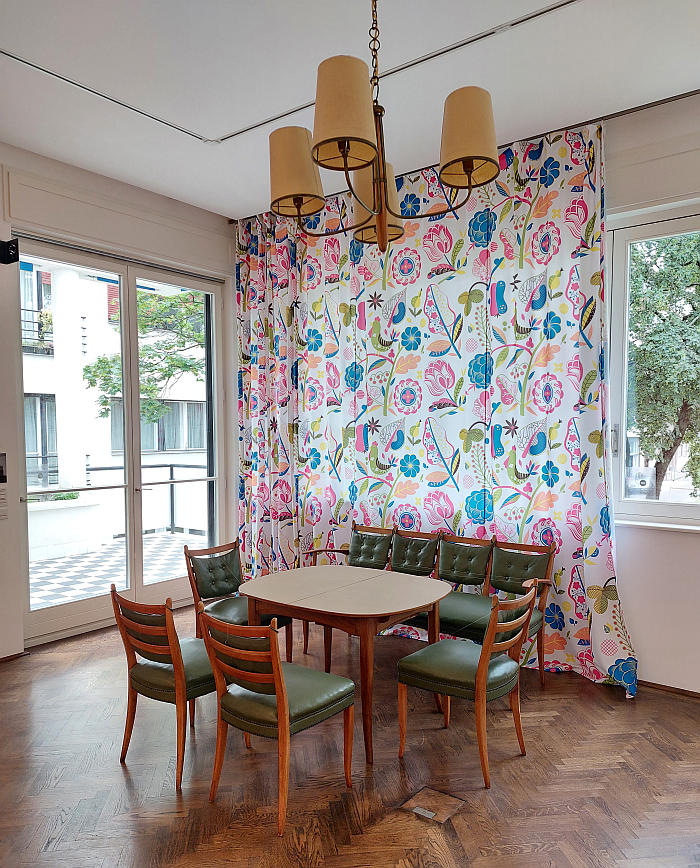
x=361, y=602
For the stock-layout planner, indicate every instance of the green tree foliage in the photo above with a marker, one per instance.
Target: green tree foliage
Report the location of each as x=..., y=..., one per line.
x=171, y=343
x=664, y=351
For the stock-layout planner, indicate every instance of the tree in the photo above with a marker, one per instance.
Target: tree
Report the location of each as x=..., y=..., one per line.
x=664, y=351
x=170, y=329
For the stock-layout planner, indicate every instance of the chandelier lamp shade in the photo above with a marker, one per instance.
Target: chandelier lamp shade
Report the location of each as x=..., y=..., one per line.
x=349, y=137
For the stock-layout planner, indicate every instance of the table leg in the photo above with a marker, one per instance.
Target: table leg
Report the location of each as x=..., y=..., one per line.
x=433, y=637
x=327, y=647
x=253, y=616
x=367, y=631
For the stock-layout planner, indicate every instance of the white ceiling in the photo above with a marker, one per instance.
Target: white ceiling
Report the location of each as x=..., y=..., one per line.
x=216, y=66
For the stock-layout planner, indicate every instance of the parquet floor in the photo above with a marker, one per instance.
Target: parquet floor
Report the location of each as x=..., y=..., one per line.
x=606, y=782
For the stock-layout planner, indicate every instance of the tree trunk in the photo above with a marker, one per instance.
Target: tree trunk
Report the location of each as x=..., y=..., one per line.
x=667, y=454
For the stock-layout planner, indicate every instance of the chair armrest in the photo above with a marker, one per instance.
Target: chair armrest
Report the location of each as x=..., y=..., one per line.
x=528, y=583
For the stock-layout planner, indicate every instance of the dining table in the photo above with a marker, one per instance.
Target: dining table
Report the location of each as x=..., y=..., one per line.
x=359, y=601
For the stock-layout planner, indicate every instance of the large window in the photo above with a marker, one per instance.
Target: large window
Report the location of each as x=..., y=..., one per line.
x=181, y=428
x=40, y=440
x=656, y=370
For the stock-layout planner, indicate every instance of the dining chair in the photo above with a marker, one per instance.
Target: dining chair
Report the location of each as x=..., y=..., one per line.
x=260, y=695
x=370, y=547
x=461, y=561
x=414, y=553
x=215, y=574
x=170, y=670
x=452, y=667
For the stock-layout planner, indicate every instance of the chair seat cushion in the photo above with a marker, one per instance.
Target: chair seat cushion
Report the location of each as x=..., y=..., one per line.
x=157, y=680
x=449, y=667
x=467, y=616
x=234, y=610
x=313, y=696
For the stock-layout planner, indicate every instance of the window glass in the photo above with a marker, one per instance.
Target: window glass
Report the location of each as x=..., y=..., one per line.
x=31, y=427
x=196, y=428
x=116, y=414
x=170, y=429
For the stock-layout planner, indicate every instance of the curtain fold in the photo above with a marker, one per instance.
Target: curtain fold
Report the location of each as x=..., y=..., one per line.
x=455, y=382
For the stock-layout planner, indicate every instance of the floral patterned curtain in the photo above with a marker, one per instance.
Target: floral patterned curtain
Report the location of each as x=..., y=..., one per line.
x=456, y=382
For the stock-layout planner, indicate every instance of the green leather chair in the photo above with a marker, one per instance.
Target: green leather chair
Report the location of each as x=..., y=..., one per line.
x=370, y=548
x=461, y=561
x=169, y=670
x=260, y=695
x=414, y=553
x=215, y=574
x=462, y=669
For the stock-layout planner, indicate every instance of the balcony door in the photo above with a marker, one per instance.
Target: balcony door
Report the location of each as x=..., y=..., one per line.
x=120, y=415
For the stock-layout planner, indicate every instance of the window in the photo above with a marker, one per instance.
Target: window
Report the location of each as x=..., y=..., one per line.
x=656, y=370
x=40, y=440
x=36, y=313
x=181, y=427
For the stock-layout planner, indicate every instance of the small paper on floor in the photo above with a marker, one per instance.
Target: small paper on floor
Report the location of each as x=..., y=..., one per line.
x=433, y=805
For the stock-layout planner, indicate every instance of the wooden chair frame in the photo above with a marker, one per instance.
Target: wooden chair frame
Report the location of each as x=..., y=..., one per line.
x=134, y=646
x=543, y=586
x=217, y=550
x=343, y=550
x=276, y=677
x=513, y=646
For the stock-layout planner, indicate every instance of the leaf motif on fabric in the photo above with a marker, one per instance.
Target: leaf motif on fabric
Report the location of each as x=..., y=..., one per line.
x=439, y=450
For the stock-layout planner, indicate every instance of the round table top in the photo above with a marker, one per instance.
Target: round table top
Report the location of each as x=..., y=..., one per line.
x=343, y=590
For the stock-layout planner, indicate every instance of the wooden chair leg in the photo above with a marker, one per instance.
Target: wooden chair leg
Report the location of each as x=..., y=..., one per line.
x=246, y=738
x=192, y=710
x=289, y=640
x=305, y=627
x=403, y=715
x=130, y=715
x=221, y=734
x=348, y=732
x=181, y=712
x=327, y=646
x=540, y=654
x=438, y=702
x=283, y=759
x=515, y=708
x=480, y=709
x=446, y=710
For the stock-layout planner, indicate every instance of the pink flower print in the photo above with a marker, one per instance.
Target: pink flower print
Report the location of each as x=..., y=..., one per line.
x=574, y=371
x=283, y=491
x=407, y=517
x=331, y=254
x=329, y=494
x=576, y=216
x=354, y=286
x=364, y=272
x=546, y=242
x=312, y=273
x=547, y=393
x=407, y=397
x=314, y=394
x=482, y=266
x=263, y=493
x=437, y=241
x=509, y=242
x=438, y=507
x=588, y=668
x=314, y=510
x=332, y=375
x=405, y=268
x=573, y=521
x=440, y=377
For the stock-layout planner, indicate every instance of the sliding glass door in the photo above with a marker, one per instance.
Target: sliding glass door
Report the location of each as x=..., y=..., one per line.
x=119, y=412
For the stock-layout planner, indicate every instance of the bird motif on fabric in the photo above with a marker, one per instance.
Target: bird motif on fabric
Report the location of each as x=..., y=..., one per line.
x=532, y=439
x=498, y=302
x=515, y=476
x=378, y=342
x=377, y=466
x=496, y=446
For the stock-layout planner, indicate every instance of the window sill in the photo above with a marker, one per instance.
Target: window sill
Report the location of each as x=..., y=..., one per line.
x=656, y=525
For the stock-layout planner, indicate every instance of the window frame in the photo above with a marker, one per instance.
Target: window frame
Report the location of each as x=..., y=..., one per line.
x=652, y=513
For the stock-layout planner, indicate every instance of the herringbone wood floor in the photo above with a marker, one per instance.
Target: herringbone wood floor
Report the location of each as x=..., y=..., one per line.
x=606, y=782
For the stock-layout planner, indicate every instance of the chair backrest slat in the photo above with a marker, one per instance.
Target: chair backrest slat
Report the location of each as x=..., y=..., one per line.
x=148, y=631
x=520, y=623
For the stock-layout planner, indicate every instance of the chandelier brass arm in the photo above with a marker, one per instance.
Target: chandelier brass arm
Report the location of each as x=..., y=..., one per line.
x=339, y=231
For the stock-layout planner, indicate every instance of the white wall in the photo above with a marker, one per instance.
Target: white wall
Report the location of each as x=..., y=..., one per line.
x=652, y=161
x=56, y=200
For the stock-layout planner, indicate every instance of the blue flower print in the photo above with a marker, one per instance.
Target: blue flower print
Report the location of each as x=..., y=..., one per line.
x=605, y=520
x=354, y=374
x=352, y=493
x=312, y=222
x=554, y=617
x=549, y=172
x=479, y=506
x=409, y=465
x=314, y=458
x=314, y=340
x=481, y=370
x=552, y=326
x=355, y=251
x=624, y=671
x=410, y=205
x=550, y=474
x=481, y=227
x=410, y=339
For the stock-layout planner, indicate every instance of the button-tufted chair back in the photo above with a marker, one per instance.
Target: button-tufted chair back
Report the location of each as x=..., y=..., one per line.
x=370, y=546
x=465, y=561
x=512, y=565
x=214, y=572
x=414, y=553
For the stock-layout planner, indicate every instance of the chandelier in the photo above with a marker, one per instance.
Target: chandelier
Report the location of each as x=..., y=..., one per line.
x=349, y=137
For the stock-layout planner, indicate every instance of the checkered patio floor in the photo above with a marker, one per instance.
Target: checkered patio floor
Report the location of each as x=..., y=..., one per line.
x=78, y=577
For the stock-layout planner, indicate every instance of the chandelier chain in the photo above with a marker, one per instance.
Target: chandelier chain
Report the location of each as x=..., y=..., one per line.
x=374, y=45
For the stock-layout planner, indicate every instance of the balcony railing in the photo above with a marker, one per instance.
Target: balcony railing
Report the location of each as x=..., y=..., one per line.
x=36, y=337
x=42, y=471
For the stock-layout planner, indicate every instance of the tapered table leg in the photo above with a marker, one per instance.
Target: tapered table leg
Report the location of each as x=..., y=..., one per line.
x=367, y=631
x=253, y=616
x=433, y=636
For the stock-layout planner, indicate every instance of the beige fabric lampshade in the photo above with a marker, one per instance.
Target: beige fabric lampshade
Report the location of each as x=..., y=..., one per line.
x=468, y=139
x=363, y=182
x=344, y=113
x=293, y=174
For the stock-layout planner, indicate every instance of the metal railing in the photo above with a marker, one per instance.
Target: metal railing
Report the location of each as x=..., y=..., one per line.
x=35, y=338
x=42, y=471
